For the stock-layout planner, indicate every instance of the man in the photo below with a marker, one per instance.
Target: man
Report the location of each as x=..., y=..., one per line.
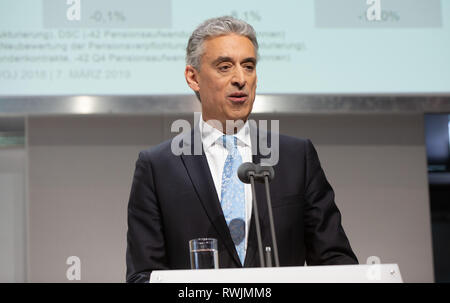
x=175, y=198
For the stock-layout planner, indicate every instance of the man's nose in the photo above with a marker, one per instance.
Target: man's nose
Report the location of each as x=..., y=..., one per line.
x=239, y=78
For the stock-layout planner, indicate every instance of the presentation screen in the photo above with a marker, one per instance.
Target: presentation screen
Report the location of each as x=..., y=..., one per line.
x=137, y=47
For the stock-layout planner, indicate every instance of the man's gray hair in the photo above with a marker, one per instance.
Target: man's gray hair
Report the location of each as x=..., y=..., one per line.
x=215, y=27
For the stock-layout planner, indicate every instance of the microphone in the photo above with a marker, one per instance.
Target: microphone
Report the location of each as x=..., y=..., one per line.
x=262, y=171
x=257, y=170
x=245, y=170
x=265, y=174
x=246, y=173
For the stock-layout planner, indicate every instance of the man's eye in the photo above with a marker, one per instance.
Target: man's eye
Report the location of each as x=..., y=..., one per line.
x=224, y=68
x=249, y=67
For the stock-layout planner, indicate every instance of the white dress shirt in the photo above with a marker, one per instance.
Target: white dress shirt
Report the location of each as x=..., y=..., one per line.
x=216, y=154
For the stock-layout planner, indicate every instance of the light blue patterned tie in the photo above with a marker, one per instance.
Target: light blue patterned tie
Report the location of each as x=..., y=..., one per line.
x=232, y=196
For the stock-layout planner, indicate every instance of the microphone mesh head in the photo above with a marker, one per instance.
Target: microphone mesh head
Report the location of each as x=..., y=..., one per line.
x=243, y=171
x=260, y=169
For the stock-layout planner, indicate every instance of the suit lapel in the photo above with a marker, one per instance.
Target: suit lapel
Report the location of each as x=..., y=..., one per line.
x=200, y=175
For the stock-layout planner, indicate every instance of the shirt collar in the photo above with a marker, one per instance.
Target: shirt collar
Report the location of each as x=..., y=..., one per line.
x=211, y=135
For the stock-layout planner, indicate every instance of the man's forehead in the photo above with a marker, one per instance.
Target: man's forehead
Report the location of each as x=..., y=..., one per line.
x=228, y=46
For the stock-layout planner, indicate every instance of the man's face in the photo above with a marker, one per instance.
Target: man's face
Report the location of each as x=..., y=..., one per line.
x=226, y=80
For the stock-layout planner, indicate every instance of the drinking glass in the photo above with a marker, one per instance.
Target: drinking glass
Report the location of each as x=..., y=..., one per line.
x=204, y=253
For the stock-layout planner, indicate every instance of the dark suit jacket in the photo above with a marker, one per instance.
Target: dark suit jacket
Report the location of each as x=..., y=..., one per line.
x=173, y=200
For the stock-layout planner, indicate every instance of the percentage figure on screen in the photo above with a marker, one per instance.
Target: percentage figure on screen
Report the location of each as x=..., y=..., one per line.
x=390, y=16
x=108, y=17
x=386, y=16
x=116, y=16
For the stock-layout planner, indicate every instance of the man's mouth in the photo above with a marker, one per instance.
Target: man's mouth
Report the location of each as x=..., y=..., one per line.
x=238, y=97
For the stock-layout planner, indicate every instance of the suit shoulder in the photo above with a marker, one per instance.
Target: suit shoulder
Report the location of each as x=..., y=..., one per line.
x=293, y=142
x=159, y=151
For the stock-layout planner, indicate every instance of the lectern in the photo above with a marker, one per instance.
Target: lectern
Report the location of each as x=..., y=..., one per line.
x=376, y=273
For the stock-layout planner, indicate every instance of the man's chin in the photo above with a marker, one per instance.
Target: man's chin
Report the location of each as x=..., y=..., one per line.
x=238, y=116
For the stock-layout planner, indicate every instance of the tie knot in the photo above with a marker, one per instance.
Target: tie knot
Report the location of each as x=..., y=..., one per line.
x=229, y=142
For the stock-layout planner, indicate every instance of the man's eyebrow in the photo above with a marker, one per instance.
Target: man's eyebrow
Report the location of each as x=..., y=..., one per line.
x=229, y=59
x=249, y=59
x=222, y=59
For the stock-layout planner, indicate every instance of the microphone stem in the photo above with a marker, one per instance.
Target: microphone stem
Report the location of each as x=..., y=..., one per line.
x=268, y=257
x=258, y=228
x=272, y=227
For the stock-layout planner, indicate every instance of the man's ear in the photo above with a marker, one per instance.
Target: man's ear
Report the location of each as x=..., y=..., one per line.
x=191, y=75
